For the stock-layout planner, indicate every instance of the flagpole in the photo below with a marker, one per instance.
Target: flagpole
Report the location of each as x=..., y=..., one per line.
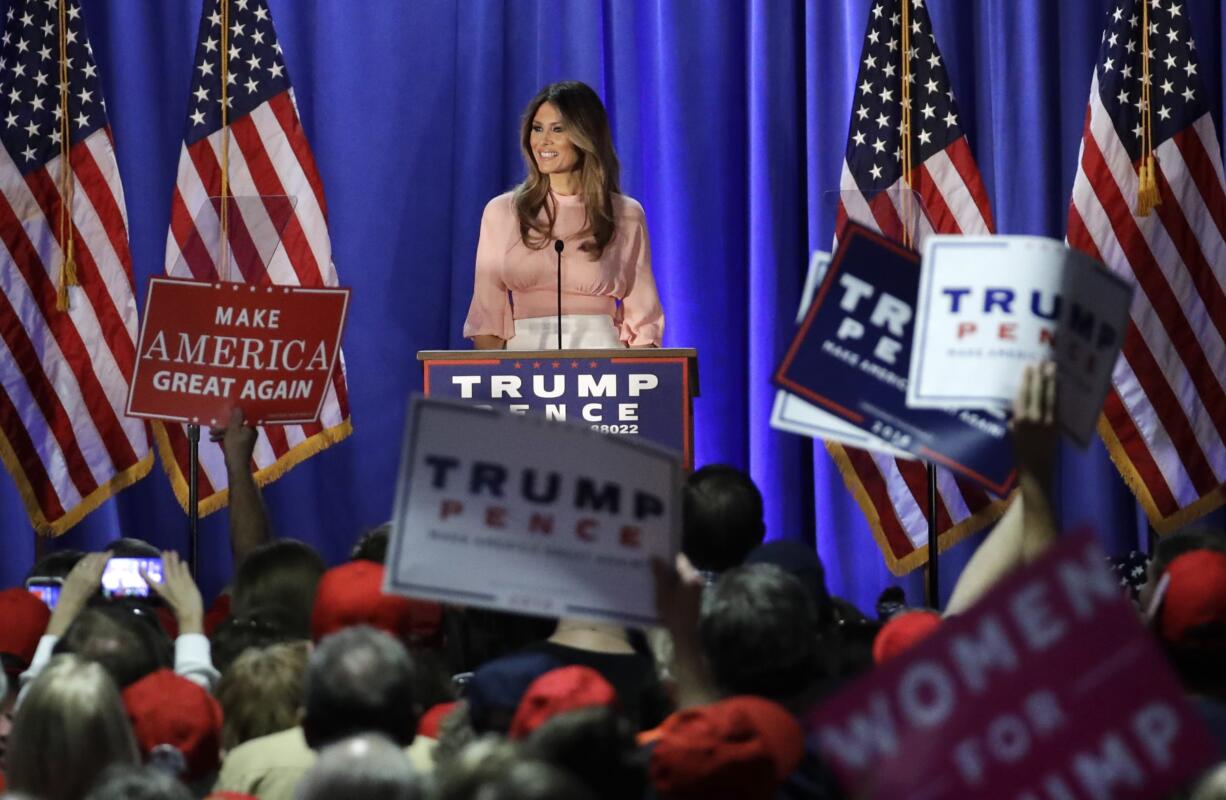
x=931, y=570
x=932, y=590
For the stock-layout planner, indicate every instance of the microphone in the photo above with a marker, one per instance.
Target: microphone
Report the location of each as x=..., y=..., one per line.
x=558, y=247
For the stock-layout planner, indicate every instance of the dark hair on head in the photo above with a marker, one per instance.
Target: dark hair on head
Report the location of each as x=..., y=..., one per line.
x=800, y=561
x=372, y=546
x=131, y=547
x=359, y=680
x=137, y=783
x=721, y=517
x=595, y=745
x=283, y=575
x=125, y=638
x=535, y=780
x=55, y=565
x=759, y=633
x=1197, y=537
x=491, y=768
x=261, y=627
x=587, y=126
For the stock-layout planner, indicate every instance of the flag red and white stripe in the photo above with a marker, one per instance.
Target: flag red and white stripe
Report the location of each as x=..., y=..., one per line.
x=64, y=374
x=278, y=232
x=1164, y=422
x=944, y=195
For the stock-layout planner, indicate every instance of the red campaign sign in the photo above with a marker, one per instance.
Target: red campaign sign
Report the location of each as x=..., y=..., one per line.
x=208, y=347
x=1048, y=688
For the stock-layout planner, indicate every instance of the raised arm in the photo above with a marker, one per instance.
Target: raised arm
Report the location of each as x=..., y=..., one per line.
x=249, y=526
x=1028, y=527
x=679, y=590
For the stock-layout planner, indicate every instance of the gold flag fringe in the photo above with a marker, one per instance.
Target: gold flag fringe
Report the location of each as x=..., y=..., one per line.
x=1132, y=479
x=918, y=557
x=90, y=502
x=218, y=500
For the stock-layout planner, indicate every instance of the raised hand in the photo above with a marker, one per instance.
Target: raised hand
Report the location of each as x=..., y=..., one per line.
x=179, y=591
x=237, y=441
x=79, y=587
x=1036, y=434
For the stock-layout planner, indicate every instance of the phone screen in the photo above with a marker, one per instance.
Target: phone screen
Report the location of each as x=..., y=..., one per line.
x=47, y=591
x=121, y=578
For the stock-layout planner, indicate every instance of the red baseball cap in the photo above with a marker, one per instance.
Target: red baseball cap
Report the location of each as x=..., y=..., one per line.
x=352, y=594
x=432, y=720
x=558, y=691
x=167, y=709
x=1195, y=595
x=741, y=748
x=903, y=632
x=216, y=614
x=25, y=619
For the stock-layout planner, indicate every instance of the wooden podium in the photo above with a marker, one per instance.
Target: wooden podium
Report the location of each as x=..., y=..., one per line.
x=647, y=392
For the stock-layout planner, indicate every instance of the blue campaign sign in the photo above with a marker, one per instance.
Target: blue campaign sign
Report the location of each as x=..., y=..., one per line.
x=852, y=354
x=647, y=396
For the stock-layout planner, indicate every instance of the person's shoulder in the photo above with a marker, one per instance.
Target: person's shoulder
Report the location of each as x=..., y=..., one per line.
x=629, y=210
x=280, y=749
x=626, y=206
x=502, y=205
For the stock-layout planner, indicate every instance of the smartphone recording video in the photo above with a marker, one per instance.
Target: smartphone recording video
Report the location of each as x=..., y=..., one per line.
x=45, y=589
x=121, y=578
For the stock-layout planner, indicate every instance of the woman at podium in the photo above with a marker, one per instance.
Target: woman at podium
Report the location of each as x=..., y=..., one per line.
x=567, y=207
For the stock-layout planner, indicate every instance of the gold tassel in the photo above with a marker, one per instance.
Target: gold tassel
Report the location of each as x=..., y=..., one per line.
x=1147, y=172
x=1147, y=187
x=68, y=277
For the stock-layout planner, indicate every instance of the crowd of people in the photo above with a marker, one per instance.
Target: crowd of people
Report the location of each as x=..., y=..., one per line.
x=303, y=681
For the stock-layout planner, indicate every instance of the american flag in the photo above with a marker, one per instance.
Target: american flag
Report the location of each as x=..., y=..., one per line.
x=273, y=187
x=1164, y=422
x=63, y=373
x=893, y=494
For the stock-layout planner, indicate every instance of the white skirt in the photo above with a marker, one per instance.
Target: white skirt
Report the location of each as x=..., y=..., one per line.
x=579, y=331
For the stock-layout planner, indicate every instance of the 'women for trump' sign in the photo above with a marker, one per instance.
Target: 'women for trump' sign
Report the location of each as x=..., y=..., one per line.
x=1047, y=689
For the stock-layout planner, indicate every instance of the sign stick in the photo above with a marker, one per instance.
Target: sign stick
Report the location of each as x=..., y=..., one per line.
x=193, y=496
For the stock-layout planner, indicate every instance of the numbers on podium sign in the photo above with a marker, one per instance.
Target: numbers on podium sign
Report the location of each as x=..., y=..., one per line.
x=529, y=602
x=618, y=429
x=891, y=434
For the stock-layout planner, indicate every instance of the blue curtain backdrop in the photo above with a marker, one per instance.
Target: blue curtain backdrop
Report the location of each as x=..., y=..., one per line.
x=730, y=117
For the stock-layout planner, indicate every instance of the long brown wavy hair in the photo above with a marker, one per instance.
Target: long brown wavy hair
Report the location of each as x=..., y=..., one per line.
x=587, y=125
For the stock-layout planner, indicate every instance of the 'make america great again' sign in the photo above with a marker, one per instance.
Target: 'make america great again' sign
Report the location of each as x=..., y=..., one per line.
x=206, y=348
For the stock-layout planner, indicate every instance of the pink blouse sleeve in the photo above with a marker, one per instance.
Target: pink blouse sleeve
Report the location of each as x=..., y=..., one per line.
x=490, y=310
x=642, y=318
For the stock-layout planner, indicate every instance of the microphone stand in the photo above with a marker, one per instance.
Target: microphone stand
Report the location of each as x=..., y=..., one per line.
x=558, y=246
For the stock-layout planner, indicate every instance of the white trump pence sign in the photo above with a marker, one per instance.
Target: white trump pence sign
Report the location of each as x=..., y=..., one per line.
x=524, y=514
x=988, y=305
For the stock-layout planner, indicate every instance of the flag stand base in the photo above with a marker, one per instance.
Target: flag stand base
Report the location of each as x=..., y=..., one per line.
x=193, y=497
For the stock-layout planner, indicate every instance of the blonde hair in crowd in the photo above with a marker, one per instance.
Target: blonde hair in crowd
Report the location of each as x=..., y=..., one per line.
x=70, y=726
x=587, y=125
x=261, y=692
